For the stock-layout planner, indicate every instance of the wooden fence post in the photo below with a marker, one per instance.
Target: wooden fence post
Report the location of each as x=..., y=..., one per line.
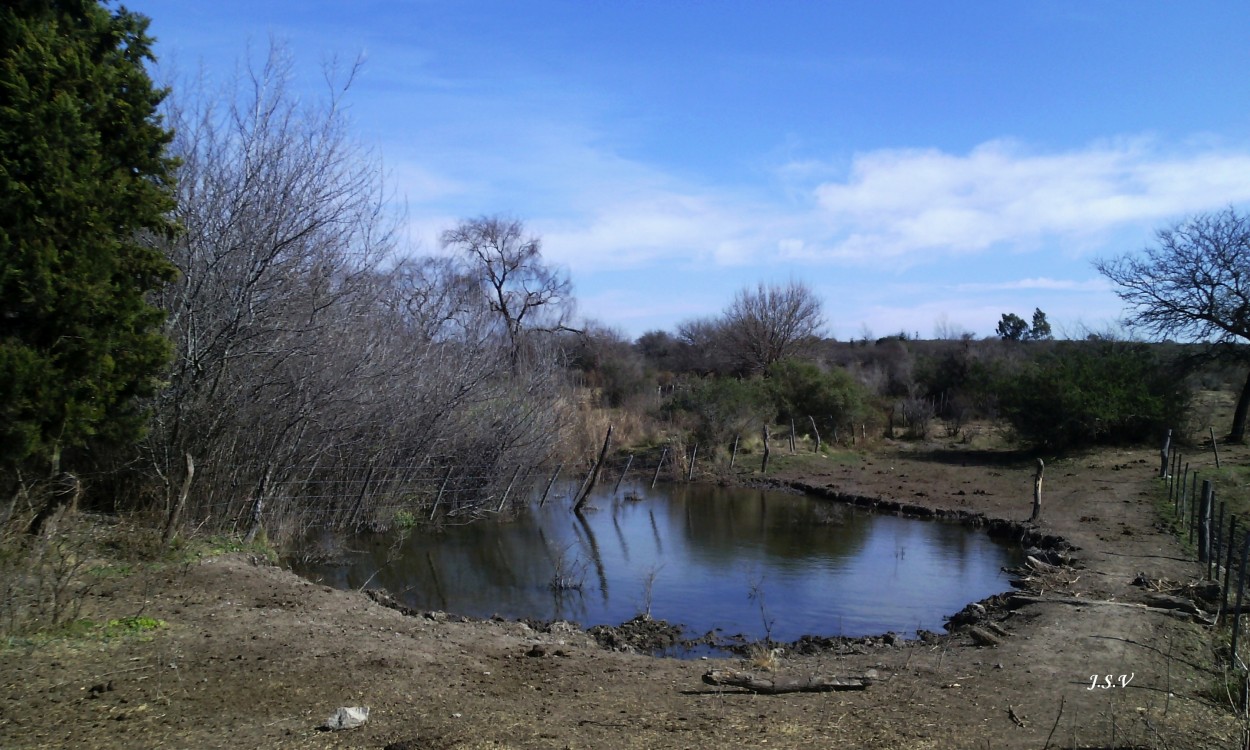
x=508, y=491
x=1204, y=525
x=1174, y=480
x=694, y=454
x=1184, y=495
x=1241, y=590
x=792, y=446
x=1217, y=546
x=1228, y=566
x=629, y=462
x=764, y=465
x=171, y=524
x=258, y=505
x=815, y=431
x=441, y=488
x=1163, y=455
x=1037, y=491
x=550, y=482
x=654, y=479
x=1195, y=503
x=733, y=457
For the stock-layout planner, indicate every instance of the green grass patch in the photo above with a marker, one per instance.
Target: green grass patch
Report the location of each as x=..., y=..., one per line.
x=195, y=549
x=132, y=626
x=111, y=571
x=86, y=630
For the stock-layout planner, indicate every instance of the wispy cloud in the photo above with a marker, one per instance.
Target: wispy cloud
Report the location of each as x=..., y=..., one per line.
x=1054, y=285
x=908, y=203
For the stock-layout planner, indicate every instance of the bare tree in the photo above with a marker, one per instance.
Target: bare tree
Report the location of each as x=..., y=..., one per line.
x=1194, y=284
x=316, y=377
x=526, y=293
x=770, y=323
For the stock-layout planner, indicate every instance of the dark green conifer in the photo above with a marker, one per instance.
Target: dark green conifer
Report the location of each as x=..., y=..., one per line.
x=85, y=187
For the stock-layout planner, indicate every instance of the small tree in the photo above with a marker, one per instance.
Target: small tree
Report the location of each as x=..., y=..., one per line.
x=1194, y=284
x=525, y=292
x=802, y=391
x=724, y=407
x=83, y=176
x=771, y=323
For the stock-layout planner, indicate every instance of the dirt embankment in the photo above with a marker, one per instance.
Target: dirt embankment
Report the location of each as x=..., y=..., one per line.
x=253, y=656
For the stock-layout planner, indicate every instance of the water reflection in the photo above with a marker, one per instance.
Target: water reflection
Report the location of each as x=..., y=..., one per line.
x=693, y=555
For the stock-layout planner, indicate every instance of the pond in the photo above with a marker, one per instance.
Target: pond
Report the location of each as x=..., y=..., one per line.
x=744, y=561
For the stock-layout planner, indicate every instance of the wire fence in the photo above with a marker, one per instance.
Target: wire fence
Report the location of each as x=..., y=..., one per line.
x=378, y=497
x=1220, y=539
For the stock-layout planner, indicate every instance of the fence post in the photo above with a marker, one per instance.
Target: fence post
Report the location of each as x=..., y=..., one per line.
x=733, y=457
x=663, y=455
x=1217, y=546
x=1037, y=492
x=1195, y=503
x=694, y=454
x=1174, y=479
x=1163, y=455
x=1180, y=494
x=815, y=431
x=550, y=482
x=1215, y=447
x=508, y=491
x=1241, y=590
x=621, y=478
x=1228, y=566
x=767, y=450
x=1204, y=526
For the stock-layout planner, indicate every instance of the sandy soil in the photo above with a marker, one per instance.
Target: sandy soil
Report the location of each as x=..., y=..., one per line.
x=255, y=657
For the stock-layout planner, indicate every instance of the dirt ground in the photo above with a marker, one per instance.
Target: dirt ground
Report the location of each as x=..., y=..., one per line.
x=253, y=656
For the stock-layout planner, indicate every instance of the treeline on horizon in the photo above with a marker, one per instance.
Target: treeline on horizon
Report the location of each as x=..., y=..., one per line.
x=250, y=345
x=1051, y=395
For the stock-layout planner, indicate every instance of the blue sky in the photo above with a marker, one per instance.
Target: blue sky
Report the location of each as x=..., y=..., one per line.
x=918, y=164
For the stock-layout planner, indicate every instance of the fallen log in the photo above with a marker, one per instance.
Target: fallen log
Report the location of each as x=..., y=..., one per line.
x=1170, y=601
x=775, y=685
x=983, y=637
x=1020, y=600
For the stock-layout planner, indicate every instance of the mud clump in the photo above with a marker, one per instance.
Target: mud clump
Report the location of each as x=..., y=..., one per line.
x=642, y=634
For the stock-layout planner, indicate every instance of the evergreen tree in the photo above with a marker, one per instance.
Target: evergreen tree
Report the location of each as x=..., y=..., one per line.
x=1012, y=327
x=1040, y=330
x=84, y=179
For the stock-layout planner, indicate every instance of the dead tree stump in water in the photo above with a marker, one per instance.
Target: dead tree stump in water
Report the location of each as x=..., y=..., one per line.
x=594, y=474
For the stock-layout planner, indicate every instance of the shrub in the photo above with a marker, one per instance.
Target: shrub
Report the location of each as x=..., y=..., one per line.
x=724, y=407
x=802, y=390
x=1093, y=393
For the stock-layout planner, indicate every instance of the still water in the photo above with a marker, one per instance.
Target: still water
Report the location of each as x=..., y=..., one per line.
x=743, y=561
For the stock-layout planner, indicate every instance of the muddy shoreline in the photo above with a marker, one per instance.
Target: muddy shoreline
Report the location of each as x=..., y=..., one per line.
x=251, y=655
x=662, y=639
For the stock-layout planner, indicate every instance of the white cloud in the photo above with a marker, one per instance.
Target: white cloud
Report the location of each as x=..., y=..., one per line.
x=909, y=205
x=906, y=202
x=1053, y=285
